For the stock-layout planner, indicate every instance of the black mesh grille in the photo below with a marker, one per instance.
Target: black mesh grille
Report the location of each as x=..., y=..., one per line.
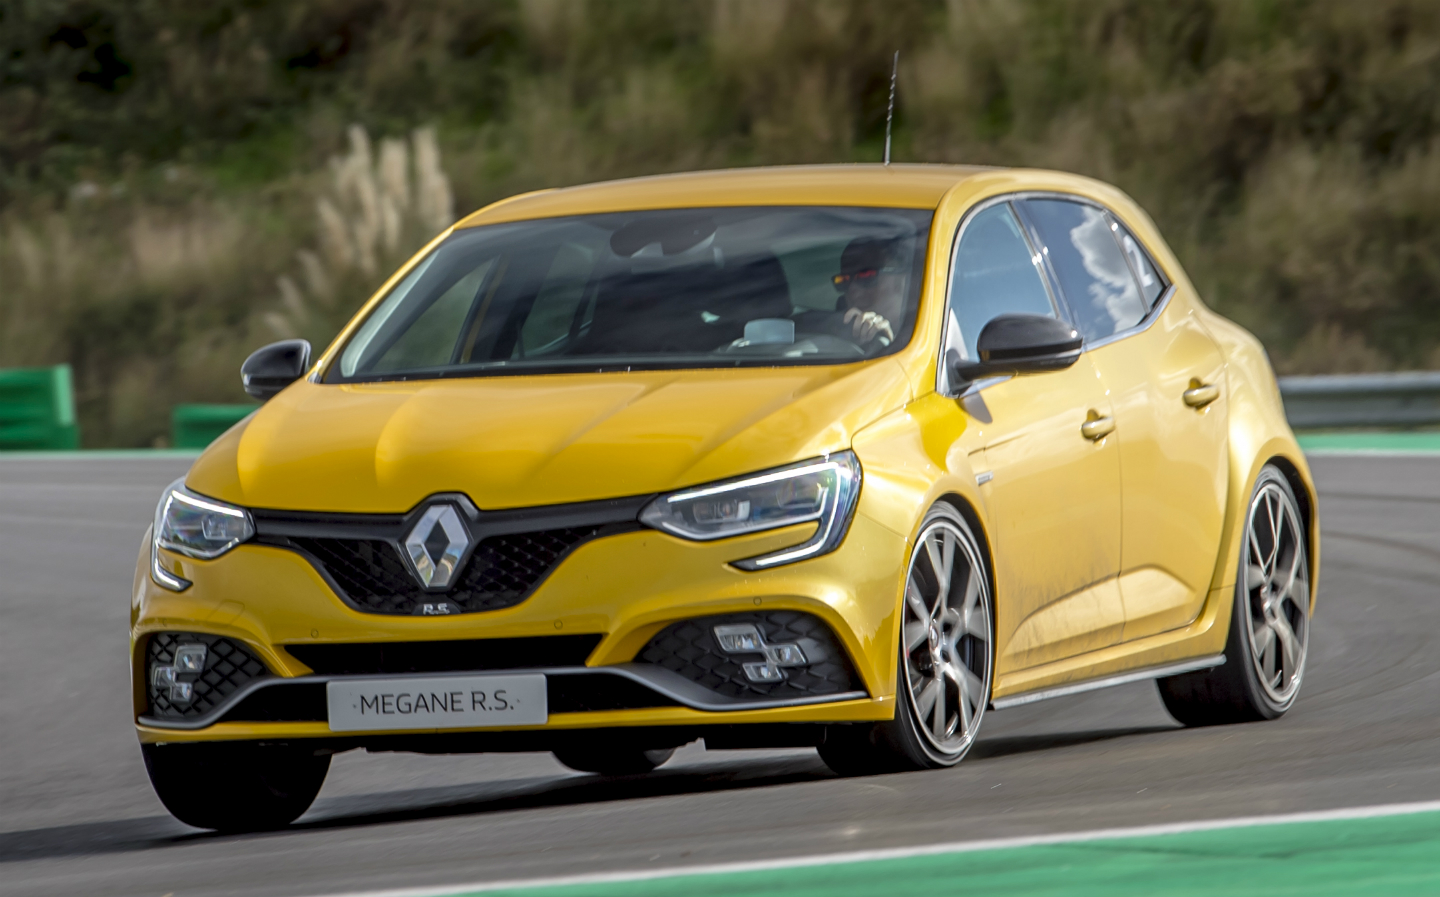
x=228, y=666
x=577, y=694
x=299, y=702
x=689, y=648
x=501, y=572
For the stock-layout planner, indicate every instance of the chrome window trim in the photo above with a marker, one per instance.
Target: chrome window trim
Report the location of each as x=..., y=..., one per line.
x=1145, y=324
x=1061, y=309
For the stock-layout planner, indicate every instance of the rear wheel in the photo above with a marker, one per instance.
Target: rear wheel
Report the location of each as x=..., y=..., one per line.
x=235, y=787
x=613, y=760
x=945, y=660
x=1270, y=627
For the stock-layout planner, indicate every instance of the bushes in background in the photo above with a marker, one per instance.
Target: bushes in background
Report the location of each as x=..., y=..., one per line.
x=169, y=199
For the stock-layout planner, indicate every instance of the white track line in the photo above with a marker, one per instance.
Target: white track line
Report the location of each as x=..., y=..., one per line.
x=861, y=856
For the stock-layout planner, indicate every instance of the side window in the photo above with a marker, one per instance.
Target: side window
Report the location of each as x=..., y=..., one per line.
x=995, y=272
x=1151, y=286
x=1087, y=260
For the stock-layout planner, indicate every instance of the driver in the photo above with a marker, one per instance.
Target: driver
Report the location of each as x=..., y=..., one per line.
x=871, y=289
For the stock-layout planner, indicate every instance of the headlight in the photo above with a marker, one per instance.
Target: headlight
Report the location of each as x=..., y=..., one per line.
x=195, y=526
x=823, y=490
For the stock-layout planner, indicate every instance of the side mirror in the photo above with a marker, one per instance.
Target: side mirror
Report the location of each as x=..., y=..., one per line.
x=272, y=368
x=1019, y=344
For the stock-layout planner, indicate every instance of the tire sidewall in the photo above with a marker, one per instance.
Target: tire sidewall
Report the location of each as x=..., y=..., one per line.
x=905, y=734
x=1241, y=649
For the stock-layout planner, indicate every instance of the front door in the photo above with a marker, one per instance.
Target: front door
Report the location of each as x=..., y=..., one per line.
x=1052, y=494
x=1167, y=386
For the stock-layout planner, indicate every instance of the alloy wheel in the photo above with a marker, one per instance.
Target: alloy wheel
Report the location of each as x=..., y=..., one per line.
x=946, y=638
x=1277, y=584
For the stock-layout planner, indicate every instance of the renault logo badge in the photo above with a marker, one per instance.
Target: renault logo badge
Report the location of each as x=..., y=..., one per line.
x=436, y=545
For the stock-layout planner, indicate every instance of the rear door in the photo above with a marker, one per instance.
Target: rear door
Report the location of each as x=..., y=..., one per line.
x=1166, y=380
x=1052, y=495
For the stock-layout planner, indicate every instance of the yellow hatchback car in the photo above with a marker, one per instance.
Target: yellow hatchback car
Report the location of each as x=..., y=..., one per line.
x=835, y=456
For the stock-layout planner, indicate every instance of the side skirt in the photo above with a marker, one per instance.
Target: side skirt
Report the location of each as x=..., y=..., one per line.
x=1075, y=688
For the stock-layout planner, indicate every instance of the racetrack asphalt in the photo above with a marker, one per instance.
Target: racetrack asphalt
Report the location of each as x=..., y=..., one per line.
x=77, y=815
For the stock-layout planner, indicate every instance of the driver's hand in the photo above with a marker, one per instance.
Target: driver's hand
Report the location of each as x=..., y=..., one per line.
x=868, y=325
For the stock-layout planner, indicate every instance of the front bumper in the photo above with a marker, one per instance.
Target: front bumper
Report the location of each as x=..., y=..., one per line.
x=620, y=590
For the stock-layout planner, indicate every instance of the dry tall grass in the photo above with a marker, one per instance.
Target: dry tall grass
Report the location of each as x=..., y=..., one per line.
x=158, y=225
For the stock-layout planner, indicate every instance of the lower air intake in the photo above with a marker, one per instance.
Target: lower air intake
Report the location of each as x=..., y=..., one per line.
x=177, y=693
x=692, y=649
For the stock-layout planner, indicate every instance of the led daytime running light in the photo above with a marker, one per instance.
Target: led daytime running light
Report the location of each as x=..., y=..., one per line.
x=825, y=491
x=194, y=526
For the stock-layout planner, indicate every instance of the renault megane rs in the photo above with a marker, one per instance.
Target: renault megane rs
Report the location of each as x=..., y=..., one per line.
x=839, y=457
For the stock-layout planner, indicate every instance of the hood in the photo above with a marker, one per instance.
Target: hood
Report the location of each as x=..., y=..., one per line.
x=512, y=442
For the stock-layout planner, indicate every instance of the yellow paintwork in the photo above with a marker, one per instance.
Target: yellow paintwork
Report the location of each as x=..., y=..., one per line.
x=1109, y=555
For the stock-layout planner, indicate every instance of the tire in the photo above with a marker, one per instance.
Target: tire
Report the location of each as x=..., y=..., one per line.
x=945, y=661
x=613, y=761
x=1270, y=626
x=235, y=787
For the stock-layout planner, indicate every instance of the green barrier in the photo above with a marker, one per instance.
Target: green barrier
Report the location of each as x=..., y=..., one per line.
x=37, y=410
x=196, y=426
x=1367, y=442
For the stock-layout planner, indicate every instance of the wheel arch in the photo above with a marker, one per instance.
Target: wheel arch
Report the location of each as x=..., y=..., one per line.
x=972, y=519
x=1300, y=484
x=1283, y=453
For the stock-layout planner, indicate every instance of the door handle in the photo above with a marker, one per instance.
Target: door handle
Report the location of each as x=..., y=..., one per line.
x=1097, y=428
x=1200, y=394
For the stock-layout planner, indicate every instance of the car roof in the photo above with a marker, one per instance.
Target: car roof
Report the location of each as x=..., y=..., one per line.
x=884, y=186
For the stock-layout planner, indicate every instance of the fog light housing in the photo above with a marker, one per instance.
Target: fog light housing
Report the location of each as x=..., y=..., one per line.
x=190, y=659
x=742, y=637
x=762, y=672
x=164, y=679
x=745, y=638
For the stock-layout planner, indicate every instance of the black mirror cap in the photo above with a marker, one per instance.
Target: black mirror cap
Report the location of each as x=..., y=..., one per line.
x=271, y=368
x=1021, y=344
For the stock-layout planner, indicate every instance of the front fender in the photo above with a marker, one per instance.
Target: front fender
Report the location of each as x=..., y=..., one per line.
x=913, y=458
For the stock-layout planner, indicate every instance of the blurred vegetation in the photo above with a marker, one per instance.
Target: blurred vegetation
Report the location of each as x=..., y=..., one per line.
x=181, y=182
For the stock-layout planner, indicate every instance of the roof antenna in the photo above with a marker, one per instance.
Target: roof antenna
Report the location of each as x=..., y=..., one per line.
x=890, y=110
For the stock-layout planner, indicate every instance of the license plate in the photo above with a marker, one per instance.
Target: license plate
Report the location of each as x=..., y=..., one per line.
x=440, y=702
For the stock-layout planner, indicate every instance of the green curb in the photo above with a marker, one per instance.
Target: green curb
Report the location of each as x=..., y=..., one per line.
x=1379, y=855
x=1403, y=442
x=196, y=426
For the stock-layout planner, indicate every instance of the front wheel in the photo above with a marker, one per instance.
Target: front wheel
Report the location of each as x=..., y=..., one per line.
x=235, y=787
x=945, y=659
x=1270, y=627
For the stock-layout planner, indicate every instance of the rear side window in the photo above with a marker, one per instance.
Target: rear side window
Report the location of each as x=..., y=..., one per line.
x=996, y=272
x=1087, y=260
x=1151, y=285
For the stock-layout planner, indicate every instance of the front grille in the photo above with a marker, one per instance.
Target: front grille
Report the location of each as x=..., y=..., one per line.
x=502, y=572
x=450, y=656
x=514, y=550
x=690, y=649
x=229, y=666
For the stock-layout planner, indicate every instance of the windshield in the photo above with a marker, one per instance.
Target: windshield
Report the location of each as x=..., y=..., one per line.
x=692, y=288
